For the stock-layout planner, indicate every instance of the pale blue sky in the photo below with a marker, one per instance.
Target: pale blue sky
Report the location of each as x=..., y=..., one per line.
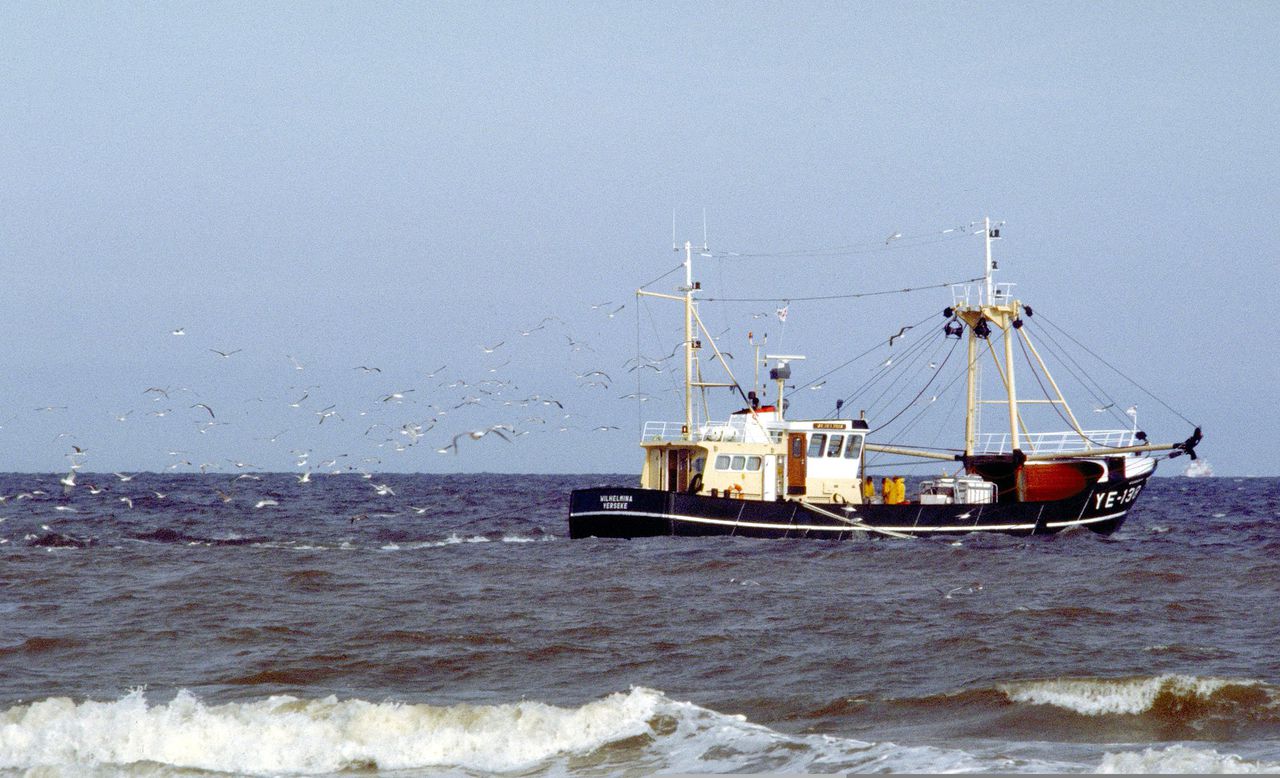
x=394, y=185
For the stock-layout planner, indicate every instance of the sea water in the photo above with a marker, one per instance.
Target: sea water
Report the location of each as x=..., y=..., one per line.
x=449, y=627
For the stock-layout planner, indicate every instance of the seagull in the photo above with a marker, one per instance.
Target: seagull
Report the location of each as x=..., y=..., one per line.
x=127, y=501
x=397, y=396
x=325, y=413
x=298, y=402
x=818, y=385
x=124, y=477
x=577, y=345
x=598, y=306
x=226, y=498
x=970, y=589
x=615, y=311
x=68, y=482
x=305, y=478
x=179, y=331
x=418, y=510
x=124, y=416
x=157, y=391
x=474, y=435
x=265, y=502
x=605, y=428
x=225, y=354
x=892, y=338
x=368, y=369
x=493, y=348
x=582, y=376
x=207, y=408
x=892, y=238
x=436, y=372
x=1101, y=408
x=296, y=364
x=383, y=490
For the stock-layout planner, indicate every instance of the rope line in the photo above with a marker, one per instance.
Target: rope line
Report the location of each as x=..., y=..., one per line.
x=1120, y=373
x=778, y=299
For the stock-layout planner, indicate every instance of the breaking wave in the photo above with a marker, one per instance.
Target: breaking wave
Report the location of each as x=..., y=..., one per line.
x=1177, y=695
x=637, y=730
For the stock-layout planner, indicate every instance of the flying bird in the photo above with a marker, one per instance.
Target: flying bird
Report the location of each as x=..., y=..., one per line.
x=892, y=338
x=225, y=354
x=207, y=408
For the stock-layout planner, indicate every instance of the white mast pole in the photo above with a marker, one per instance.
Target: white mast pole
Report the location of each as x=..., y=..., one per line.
x=986, y=231
x=688, y=339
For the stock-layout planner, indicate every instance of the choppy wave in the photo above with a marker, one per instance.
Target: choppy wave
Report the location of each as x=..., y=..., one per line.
x=1174, y=694
x=1181, y=759
x=640, y=729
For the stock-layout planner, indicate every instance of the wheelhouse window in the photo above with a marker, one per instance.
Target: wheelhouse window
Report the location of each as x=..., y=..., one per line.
x=753, y=463
x=722, y=462
x=739, y=462
x=833, y=448
x=817, y=442
x=854, y=449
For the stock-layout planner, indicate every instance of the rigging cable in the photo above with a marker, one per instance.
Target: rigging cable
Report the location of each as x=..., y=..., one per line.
x=664, y=275
x=1092, y=386
x=1054, y=403
x=922, y=389
x=893, y=242
x=853, y=296
x=910, y=358
x=1121, y=374
x=860, y=356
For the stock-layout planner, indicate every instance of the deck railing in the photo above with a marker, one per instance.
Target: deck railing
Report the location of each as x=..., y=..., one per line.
x=737, y=428
x=1054, y=442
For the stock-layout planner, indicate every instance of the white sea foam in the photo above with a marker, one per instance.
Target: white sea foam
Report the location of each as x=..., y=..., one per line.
x=1181, y=759
x=640, y=730
x=1100, y=696
x=287, y=735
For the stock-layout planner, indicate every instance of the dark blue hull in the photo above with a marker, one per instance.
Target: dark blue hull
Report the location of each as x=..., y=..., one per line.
x=629, y=513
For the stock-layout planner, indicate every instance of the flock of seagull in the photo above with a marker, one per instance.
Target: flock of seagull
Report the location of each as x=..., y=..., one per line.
x=446, y=411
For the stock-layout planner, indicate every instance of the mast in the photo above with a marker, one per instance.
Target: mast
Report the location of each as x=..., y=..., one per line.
x=688, y=340
x=1001, y=312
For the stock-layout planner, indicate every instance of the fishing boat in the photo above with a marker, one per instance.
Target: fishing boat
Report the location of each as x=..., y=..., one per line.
x=758, y=473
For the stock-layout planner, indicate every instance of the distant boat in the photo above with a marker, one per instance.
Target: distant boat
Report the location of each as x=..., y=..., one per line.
x=1198, y=468
x=760, y=474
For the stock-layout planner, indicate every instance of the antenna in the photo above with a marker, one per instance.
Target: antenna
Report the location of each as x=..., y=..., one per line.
x=704, y=231
x=674, y=246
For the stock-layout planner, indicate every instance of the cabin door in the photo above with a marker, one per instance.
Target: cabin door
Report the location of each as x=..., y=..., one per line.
x=677, y=469
x=796, y=464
